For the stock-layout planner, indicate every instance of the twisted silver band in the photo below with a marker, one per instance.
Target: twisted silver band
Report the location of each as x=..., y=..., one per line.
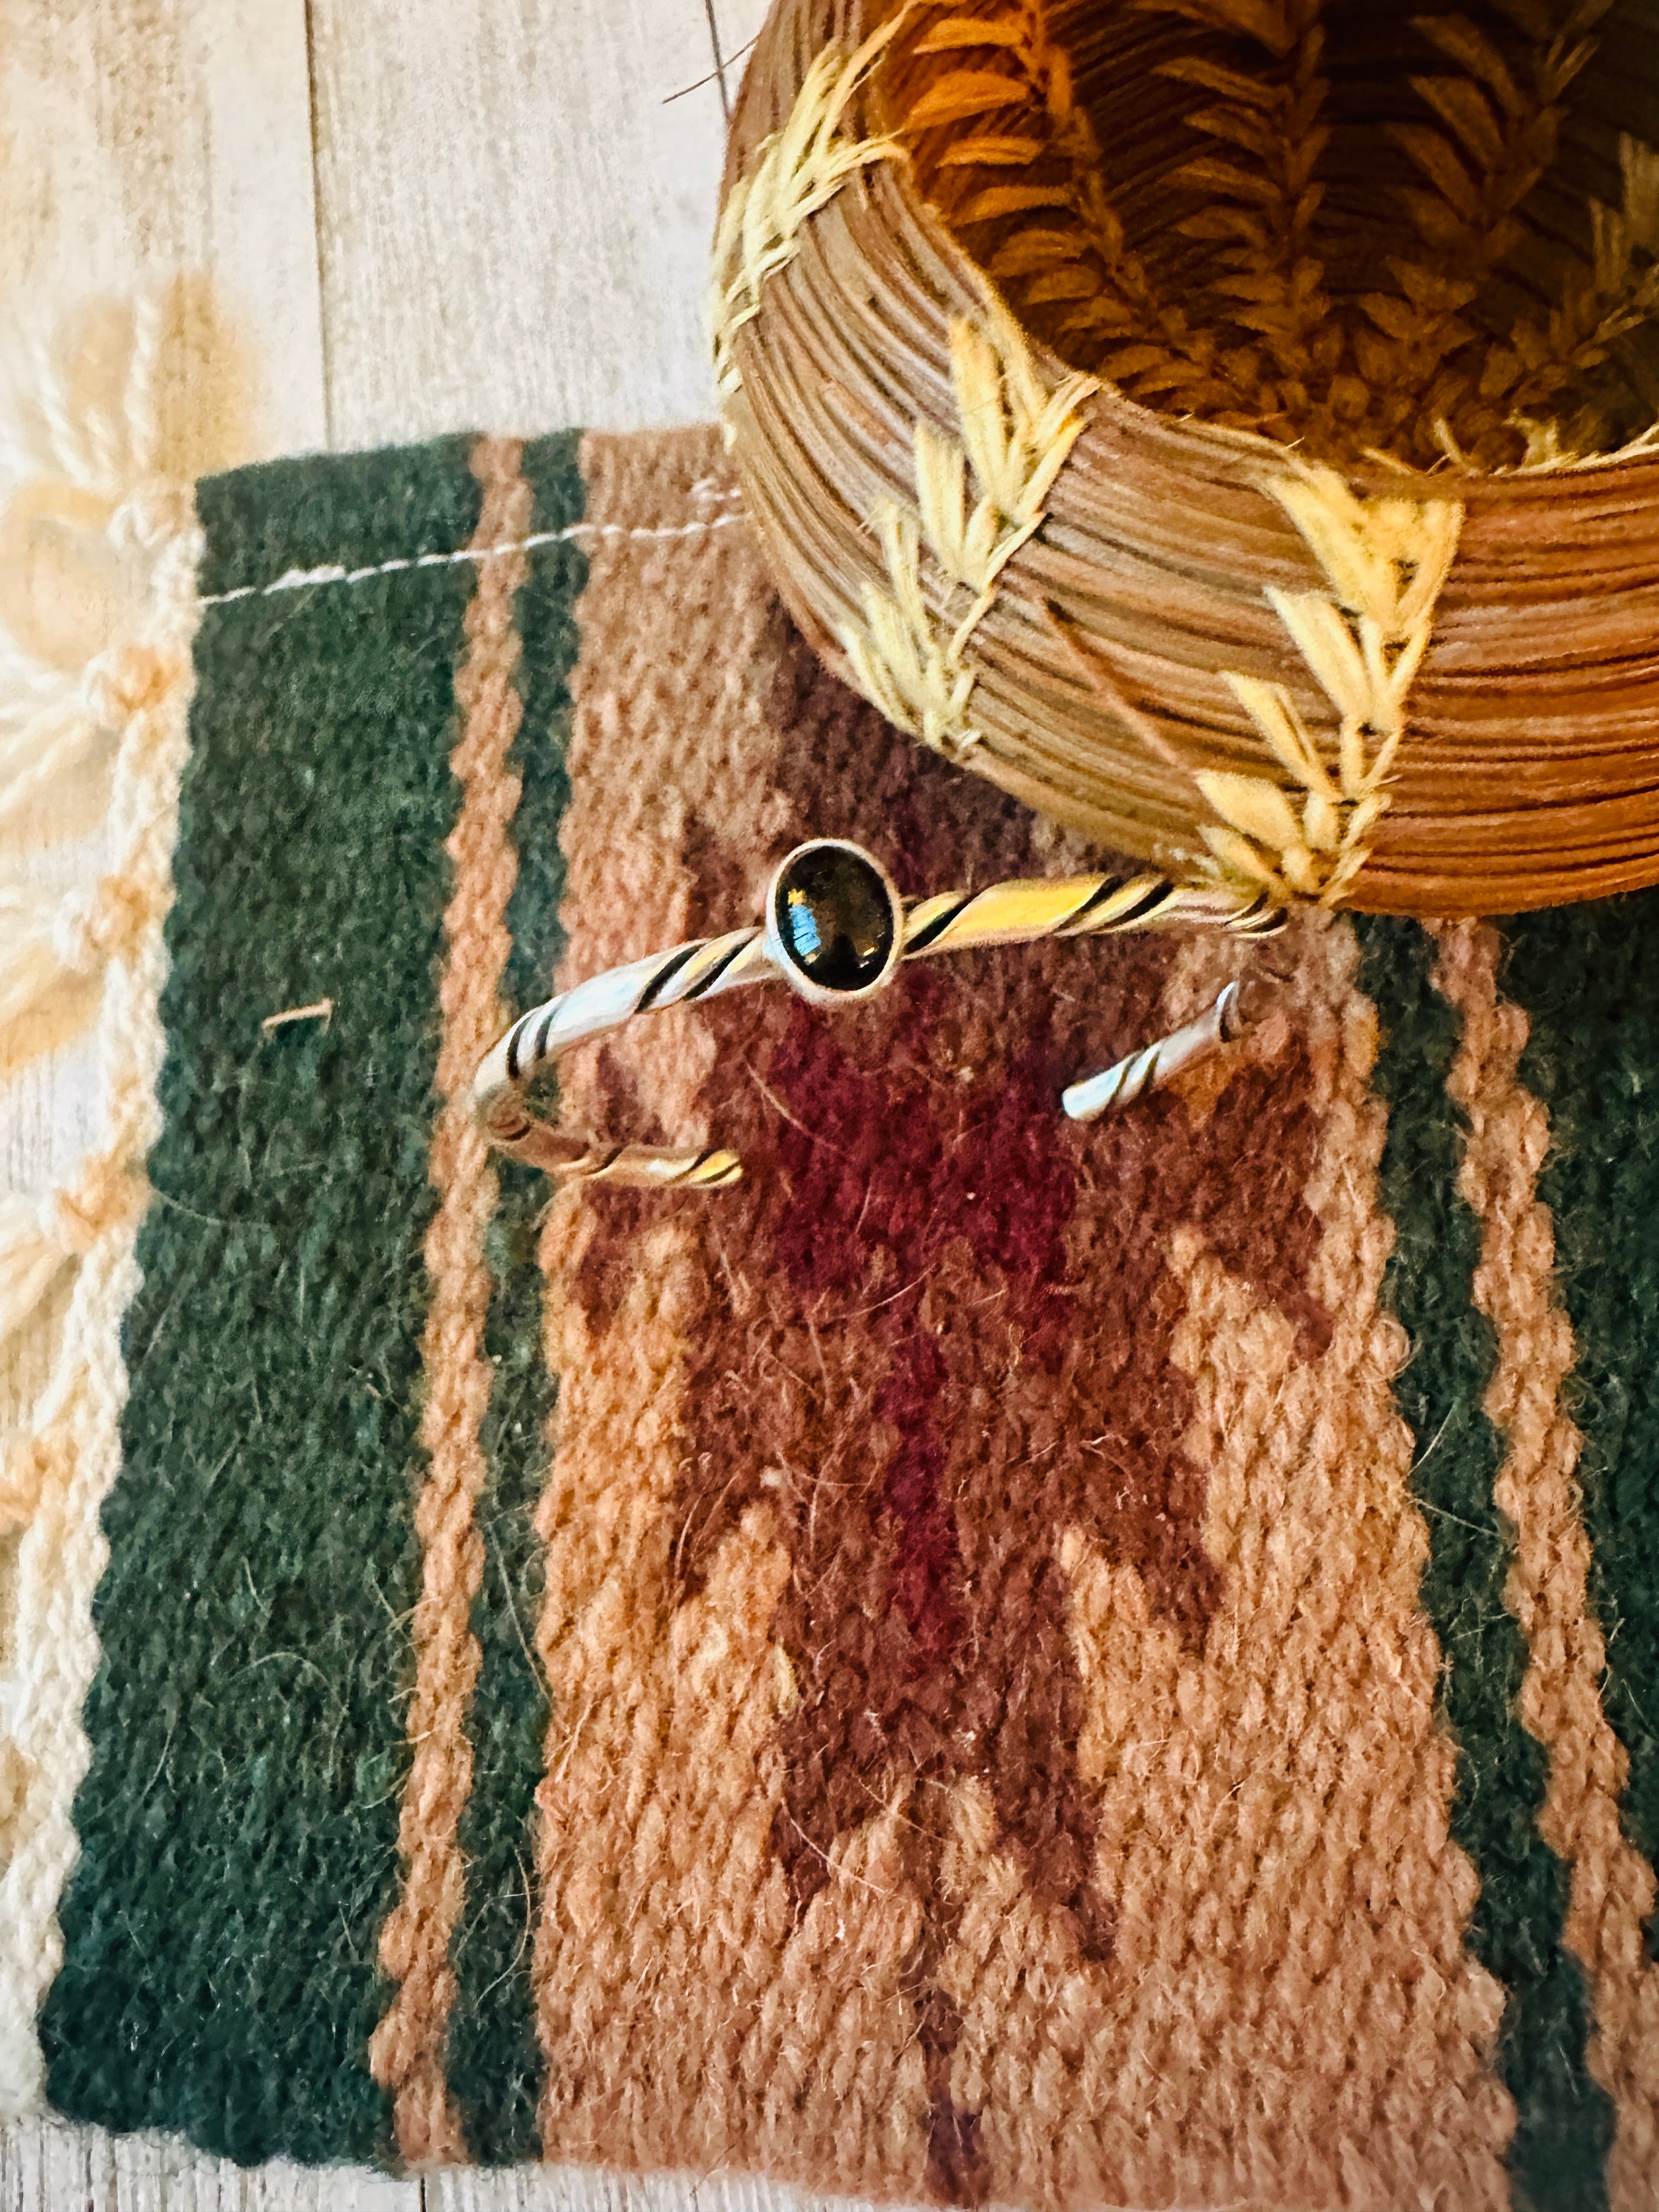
x=1019, y=912
x=1236, y=1010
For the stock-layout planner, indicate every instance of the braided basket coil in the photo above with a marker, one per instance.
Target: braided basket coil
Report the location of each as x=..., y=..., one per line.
x=1396, y=680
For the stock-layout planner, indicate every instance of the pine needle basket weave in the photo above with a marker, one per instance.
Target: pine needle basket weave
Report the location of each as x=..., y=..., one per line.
x=1226, y=424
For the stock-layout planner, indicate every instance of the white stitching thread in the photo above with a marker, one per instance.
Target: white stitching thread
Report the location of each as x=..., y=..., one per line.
x=301, y=580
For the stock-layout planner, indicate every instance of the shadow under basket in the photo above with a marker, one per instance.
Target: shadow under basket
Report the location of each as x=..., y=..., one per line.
x=1226, y=424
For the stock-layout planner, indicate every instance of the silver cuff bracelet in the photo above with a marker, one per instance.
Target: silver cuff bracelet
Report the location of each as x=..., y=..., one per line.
x=835, y=929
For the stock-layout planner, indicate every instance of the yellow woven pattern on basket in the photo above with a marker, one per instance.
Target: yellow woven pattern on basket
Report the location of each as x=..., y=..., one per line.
x=1014, y=432
x=795, y=172
x=1386, y=560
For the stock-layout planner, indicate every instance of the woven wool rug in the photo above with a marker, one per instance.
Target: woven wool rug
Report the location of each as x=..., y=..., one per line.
x=995, y=1661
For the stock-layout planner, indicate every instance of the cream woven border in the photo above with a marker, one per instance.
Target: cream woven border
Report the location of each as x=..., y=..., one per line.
x=89, y=450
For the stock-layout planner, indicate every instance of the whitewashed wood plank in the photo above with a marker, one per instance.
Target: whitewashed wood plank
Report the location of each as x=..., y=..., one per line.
x=515, y=227
x=739, y=23
x=591, y=2189
x=138, y=139
x=50, y=2168
x=42, y=2169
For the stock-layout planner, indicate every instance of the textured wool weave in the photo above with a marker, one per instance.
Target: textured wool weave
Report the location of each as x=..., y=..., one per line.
x=995, y=1661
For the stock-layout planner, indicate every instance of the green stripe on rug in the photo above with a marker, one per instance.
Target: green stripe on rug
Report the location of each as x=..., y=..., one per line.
x=1588, y=978
x=239, y=1822
x=495, y=2058
x=1564, y=2125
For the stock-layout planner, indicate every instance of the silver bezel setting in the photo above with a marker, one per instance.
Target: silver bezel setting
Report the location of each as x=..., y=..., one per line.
x=802, y=984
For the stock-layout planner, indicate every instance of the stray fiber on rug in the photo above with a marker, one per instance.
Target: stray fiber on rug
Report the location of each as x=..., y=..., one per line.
x=998, y=1660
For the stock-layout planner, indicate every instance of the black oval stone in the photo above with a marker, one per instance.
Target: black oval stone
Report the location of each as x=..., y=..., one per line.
x=834, y=917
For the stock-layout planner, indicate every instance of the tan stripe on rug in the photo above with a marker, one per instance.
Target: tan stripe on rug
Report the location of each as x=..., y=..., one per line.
x=407, y=2051
x=1547, y=1589
x=1274, y=1805
x=664, y=1929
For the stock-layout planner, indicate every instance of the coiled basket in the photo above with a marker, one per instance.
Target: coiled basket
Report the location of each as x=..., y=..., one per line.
x=1224, y=423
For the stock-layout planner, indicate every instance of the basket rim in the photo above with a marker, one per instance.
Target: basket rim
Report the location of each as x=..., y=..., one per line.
x=846, y=22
